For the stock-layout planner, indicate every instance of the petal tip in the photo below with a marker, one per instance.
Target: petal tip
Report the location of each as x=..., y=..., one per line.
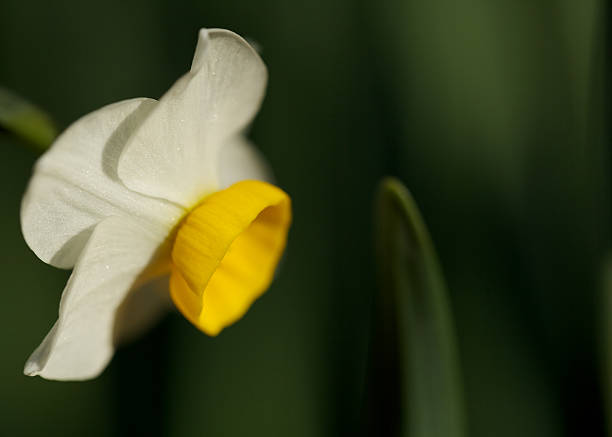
x=203, y=33
x=31, y=368
x=202, y=44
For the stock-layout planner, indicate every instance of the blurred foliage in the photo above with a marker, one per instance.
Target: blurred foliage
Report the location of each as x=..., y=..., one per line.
x=25, y=121
x=495, y=116
x=415, y=382
x=605, y=319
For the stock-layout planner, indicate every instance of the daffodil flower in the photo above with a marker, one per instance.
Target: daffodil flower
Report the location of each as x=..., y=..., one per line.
x=141, y=189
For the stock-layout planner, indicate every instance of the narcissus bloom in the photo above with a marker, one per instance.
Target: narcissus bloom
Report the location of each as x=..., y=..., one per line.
x=143, y=189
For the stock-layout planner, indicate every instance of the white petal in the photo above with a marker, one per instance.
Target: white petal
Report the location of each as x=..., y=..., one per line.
x=240, y=160
x=114, y=260
x=75, y=184
x=173, y=155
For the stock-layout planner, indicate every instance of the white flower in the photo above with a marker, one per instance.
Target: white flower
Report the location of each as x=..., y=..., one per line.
x=141, y=189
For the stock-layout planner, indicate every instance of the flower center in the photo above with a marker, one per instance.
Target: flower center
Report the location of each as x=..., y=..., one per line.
x=226, y=251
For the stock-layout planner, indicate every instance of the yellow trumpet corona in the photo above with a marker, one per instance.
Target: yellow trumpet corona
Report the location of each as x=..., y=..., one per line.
x=226, y=251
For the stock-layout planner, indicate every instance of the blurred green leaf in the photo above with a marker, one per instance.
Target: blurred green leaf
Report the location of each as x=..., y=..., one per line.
x=418, y=391
x=26, y=121
x=606, y=337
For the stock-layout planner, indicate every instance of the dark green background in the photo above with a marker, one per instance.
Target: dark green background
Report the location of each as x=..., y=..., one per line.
x=492, y=113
